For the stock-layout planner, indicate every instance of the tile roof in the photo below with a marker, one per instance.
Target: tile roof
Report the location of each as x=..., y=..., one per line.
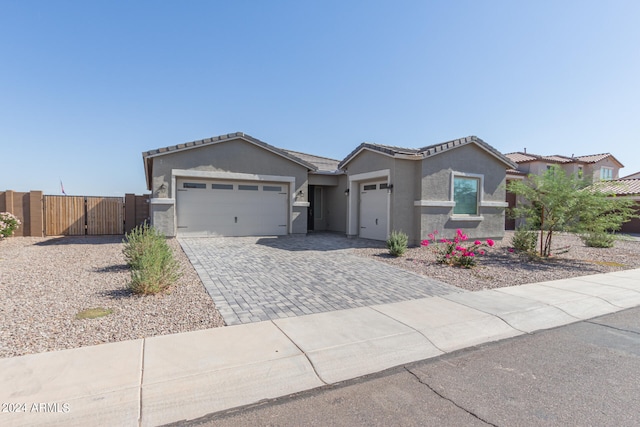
x=324, y=164
x=430, y=150
x=147, y=156
x=632, y=176
x=558, y=159
x=520, y=157
x=515, y=172
x=592, y=158
x=227, y=137
x=620, y=187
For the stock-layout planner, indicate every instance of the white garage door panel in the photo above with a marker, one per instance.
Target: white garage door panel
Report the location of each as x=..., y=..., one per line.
x=373, y=211
x=231, y=212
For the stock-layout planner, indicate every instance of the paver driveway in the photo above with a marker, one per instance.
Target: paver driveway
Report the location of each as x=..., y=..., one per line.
x=259, y=278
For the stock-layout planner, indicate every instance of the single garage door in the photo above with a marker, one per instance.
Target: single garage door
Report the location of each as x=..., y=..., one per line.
x=373, y=210
x=231, y=208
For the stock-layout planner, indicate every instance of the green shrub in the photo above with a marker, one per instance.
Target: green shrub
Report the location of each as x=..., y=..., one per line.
x=153, y=268
x=524, y=240
x=397, y=243
x=598, y=239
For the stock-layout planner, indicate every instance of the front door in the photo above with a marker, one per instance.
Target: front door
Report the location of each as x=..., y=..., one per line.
x=310, y=216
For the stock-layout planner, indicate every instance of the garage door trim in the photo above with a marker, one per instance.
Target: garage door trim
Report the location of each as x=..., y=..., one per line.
x=353, y=211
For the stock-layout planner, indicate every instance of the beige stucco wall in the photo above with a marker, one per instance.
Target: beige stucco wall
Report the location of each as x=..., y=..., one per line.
x=367, y=161
x=538, y=168
x=593, y=170
x=436, y=182
x=590, y=171
x=162, y=218
x=336, y=206
x=321, y=179
x=403, y=175
x=233, y=156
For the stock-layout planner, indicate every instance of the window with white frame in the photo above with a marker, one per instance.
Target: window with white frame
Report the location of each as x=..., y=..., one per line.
x=466, y=195
x=606, y=173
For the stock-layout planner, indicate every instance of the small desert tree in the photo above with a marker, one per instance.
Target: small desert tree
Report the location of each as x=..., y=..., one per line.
x=556, y=201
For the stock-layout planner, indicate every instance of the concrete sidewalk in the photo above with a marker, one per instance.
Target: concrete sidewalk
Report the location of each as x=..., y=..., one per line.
x=170, y=378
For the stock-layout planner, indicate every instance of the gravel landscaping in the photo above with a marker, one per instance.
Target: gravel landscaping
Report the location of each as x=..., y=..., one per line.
x=46, y=282
x=500, y=267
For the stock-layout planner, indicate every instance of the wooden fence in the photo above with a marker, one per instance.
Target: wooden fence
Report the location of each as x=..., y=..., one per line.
x=74, y=215
x=80, y=215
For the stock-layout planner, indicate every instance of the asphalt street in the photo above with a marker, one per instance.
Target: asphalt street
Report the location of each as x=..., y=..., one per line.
x=586, y=373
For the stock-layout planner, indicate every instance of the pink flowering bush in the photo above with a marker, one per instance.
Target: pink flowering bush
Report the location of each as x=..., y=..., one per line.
x=457, y=251
x=8, y=224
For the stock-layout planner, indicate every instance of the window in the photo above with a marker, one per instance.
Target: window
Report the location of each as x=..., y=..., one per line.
x=369, y=187
x=271, y=188
x=248, y=187
x=465, y=195
x=193, y=185
x=222, y=186
x=606, y=174
x=384, y=186
x=552, y=169
x=580, y=172
x=317, y=202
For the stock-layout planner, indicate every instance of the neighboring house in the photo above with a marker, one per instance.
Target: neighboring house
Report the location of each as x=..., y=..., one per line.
x=632, y=176
x=629, y=188
x=596, y=167
x=235, y=185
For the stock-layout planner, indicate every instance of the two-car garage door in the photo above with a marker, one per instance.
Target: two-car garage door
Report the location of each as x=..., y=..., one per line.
x=231, y=208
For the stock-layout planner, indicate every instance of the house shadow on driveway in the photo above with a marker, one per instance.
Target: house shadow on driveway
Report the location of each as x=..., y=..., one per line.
x=318, y=241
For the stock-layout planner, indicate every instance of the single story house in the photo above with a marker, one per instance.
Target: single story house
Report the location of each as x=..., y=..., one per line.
x=237, y=185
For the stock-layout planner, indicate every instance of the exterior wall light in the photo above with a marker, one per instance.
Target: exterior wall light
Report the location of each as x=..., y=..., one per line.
x=346, y=192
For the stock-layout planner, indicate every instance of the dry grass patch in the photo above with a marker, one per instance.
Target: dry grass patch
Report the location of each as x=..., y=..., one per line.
x=93, y=313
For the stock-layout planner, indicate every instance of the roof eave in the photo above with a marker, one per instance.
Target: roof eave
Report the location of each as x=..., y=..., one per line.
x=323, y=172
x=147, y=170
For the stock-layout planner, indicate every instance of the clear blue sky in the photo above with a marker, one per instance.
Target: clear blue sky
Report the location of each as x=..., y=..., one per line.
x=87, y=86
